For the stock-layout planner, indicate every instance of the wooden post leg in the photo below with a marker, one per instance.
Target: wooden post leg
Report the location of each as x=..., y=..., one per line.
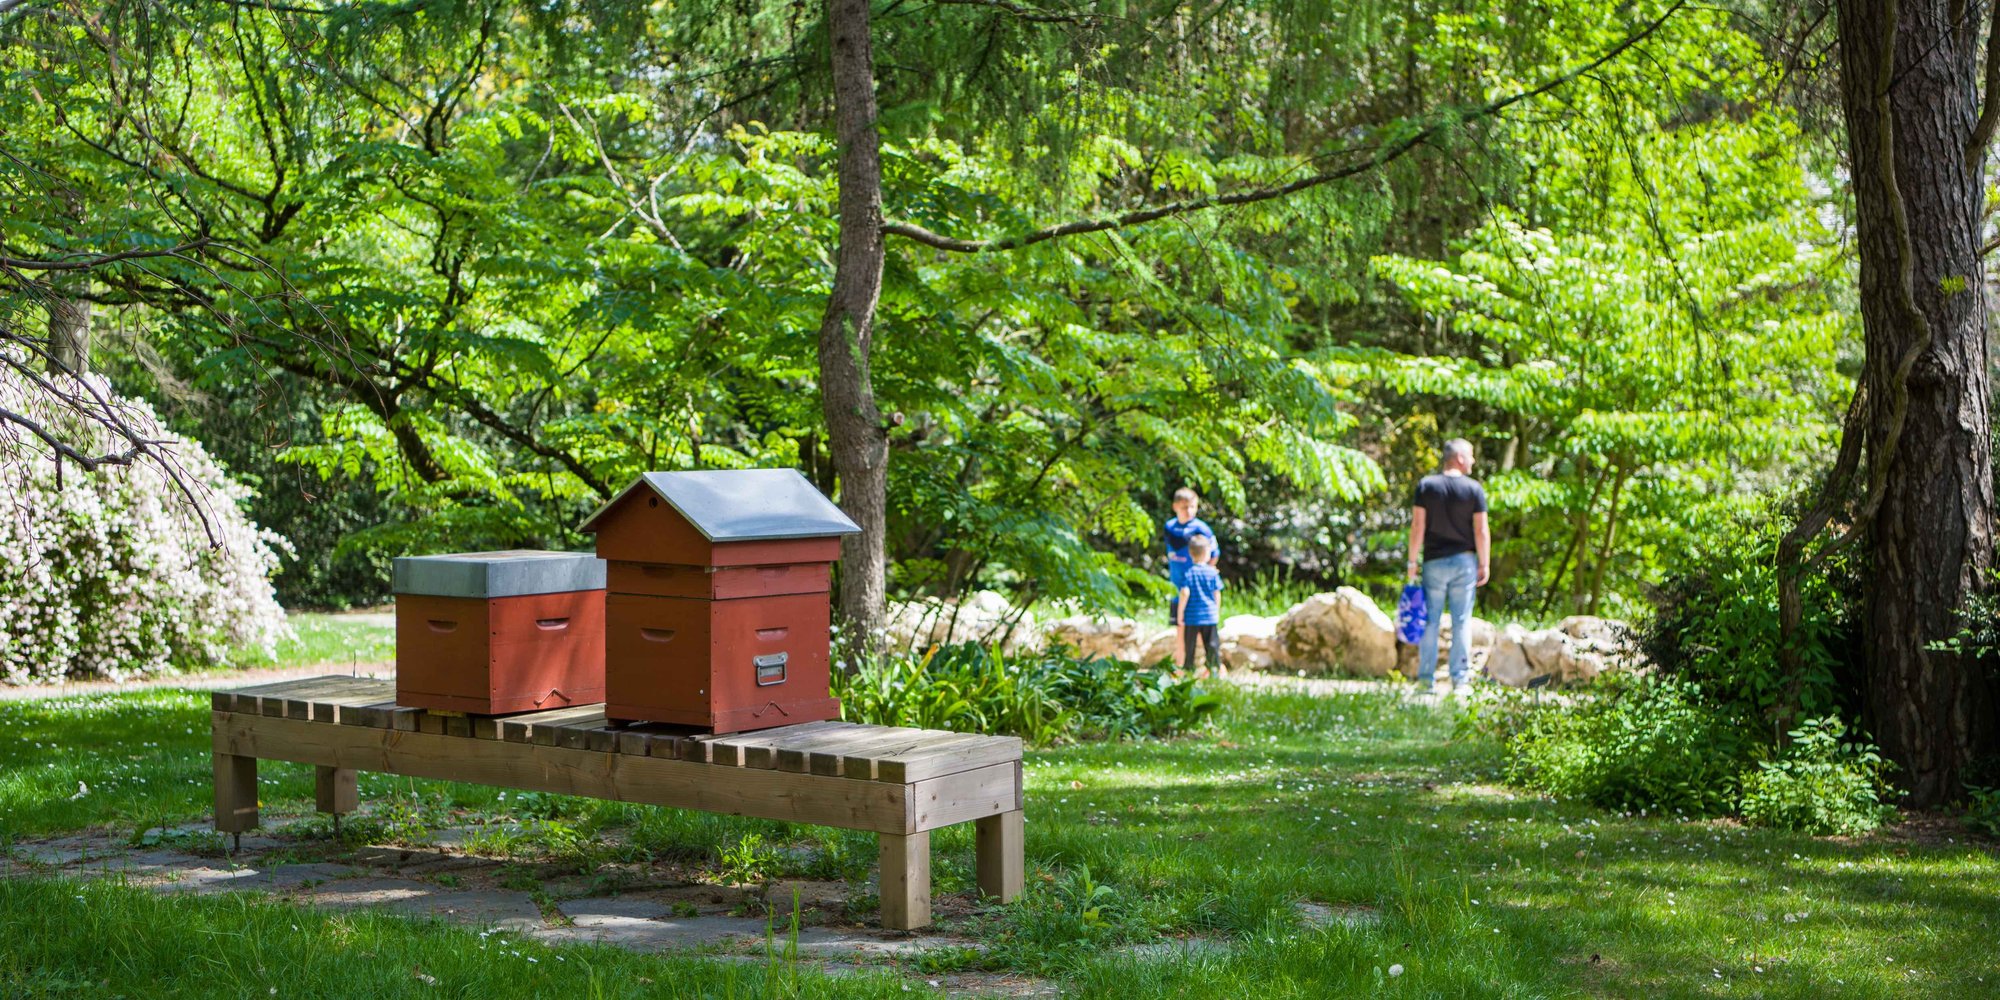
x=997, y=843
x=235, y=793
x=906, y=881
x=335, y=791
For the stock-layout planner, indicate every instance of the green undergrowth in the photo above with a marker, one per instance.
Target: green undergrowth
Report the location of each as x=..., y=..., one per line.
x=1299, y=846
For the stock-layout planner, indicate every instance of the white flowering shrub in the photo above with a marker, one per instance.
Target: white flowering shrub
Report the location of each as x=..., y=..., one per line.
x=112, y=574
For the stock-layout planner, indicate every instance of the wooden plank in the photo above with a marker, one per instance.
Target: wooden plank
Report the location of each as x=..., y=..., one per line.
x=573, y=734
x=997, y=843
x=349, y=693
x=869, y=765
x=947, y=758
x=299, y=700
x=844, y=802
x=951, y=799
x=430, y=723
x=707, y=750
x=906, y=880
x=235, y=786
x=335, y=791
x=881, y=741
x=760, y=748
x=833, y=747
x=485, y=727
x=523, y=728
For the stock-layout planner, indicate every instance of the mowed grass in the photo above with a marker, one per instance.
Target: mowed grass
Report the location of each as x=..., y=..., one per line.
x=326, y=638
x=1157, y=868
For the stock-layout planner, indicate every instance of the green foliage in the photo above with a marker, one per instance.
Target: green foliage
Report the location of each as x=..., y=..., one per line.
x=1716, y=623
x=1982, y=810
x=1819, y=784
x=750, y=861
x=1044, y=698
x=1648, y=744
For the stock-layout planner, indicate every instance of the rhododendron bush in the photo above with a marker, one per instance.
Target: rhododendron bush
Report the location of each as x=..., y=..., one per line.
x=112, y=573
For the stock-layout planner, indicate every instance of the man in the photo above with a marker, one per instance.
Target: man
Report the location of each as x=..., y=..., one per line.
x=1177, y=530
x=1450, y=550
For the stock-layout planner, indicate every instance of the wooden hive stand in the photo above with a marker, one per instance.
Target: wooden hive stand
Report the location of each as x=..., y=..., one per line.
x=897, y=783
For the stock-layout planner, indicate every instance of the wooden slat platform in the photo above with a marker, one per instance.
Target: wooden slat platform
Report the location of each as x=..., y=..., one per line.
x=848, y=749
x=899, y=783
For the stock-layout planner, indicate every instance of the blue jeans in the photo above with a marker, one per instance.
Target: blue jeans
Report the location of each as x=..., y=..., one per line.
x=1449, y=579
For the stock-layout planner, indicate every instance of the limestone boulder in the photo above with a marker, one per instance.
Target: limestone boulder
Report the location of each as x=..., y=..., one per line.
x=1159, y=648
x=1483, y=633
x=1112, y=638
x=1250, y=642
x=1508, y=662
x=1523, y=658
x=985, y=617
x=1344, y=630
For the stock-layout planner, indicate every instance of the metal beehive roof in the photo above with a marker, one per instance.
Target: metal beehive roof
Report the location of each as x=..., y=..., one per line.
x=498, y=574
x=743, y=505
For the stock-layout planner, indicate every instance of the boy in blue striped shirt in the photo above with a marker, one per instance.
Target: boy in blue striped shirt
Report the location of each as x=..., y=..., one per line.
x=1199, y=610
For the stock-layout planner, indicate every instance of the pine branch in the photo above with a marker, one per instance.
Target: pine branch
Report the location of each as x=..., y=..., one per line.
x=1382, y=158
x=1026, y=13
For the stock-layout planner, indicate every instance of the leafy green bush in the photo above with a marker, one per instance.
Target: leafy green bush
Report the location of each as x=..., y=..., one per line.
x=1819, y=785
x=1717, y=625
x=1646, y=743
x=1041, y=697
x=1982, y=811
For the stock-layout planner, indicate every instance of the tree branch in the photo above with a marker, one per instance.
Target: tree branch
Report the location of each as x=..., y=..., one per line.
x=1989, y=110
x=1382, y=157
x=91, y=262
x=1025, y=13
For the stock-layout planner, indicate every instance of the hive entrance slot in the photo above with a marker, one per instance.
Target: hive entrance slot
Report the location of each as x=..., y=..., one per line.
x=657, y=634
x=551, y=624
x=438, y=625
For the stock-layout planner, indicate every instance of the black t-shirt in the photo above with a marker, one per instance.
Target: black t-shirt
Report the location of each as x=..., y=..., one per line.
x=1449, y=503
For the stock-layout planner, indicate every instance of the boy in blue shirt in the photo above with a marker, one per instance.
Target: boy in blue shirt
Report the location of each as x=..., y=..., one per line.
x=1200, y=608
x=1178, y=531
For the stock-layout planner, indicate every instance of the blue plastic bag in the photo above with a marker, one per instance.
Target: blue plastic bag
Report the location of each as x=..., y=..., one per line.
x=1411, y=615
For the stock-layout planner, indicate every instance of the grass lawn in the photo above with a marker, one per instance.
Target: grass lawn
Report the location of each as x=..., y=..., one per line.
x=326, y=638
x=1359, y=805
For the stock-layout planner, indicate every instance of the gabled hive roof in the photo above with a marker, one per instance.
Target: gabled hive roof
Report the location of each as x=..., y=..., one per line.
x=742, y=505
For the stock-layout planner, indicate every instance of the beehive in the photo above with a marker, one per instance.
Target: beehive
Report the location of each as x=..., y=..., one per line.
x=490, y=633
x=718, y=613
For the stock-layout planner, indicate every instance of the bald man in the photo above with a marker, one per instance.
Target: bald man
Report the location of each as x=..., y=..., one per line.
x=1450, y=550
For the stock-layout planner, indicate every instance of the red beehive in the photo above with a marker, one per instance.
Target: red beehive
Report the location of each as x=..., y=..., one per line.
x=717, y=613
x=497, y=632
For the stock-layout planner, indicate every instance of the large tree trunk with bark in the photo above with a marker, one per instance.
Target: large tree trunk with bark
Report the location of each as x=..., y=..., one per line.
x=855, y=434
x=1909, y=79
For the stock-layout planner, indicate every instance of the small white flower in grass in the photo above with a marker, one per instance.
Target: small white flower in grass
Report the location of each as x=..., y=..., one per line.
x=1395, y=970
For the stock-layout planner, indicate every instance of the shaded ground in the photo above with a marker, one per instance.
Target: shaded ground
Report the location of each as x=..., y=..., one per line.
x=643, y=907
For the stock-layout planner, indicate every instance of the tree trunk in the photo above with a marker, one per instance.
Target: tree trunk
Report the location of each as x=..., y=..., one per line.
x=1909, y=87
x=855, y=435
x=69, y=334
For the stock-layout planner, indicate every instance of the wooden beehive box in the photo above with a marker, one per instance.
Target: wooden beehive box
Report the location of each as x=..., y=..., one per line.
x=490, y=633
x=718, y=608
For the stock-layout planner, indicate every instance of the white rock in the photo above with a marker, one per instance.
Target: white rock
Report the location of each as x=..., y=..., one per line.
x=1250, y=642
x=1160, y=647
x=1508, y=663
x=1341, y=630
x=1113, y=638
x=982, y=617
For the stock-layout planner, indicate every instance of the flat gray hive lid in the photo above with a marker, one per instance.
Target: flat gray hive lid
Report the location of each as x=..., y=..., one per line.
x=743, y=505
x=499, y=574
